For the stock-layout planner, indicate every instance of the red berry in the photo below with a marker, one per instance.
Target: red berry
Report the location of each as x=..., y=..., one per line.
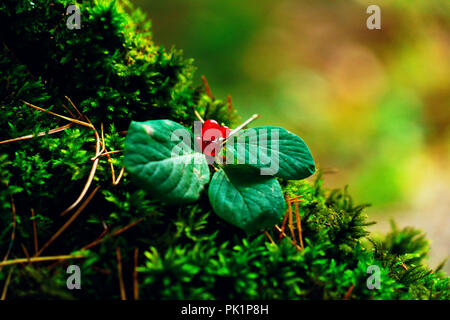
x=225, y=131
x=211, y=148
x=209, y=124
x=211, y=131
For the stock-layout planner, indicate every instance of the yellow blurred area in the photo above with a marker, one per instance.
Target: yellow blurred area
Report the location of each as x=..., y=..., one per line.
x=374, y=105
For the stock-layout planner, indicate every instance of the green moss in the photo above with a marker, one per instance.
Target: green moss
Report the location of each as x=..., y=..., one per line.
x=114, y=73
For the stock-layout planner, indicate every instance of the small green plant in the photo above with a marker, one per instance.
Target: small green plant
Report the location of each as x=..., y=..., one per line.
x=130, y=237
x=164, y=157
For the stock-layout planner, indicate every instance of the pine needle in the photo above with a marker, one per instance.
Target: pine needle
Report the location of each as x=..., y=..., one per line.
x=40, y=134
x=135, y=275
x=270, y=238
x=35, y=237
x=89, y=180
x=69, y=222
x=13, y=233
x=119, y=271
x=291, y=223
x=115, y=183
x=5, y=287
x=110, y=152
x=25, y=251
x=39, y=259
x=283, y=226
x=58, y=115
x=284, y=235
x=73, y=106
x=99, y=153
x=299, y=225
x=102, y=237
x=349, y=292
x=199, y=117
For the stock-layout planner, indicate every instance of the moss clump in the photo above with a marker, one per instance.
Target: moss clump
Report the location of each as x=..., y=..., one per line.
x=114, y=73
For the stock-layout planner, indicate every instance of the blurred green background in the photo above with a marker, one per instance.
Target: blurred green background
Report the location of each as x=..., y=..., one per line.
x=373, y=105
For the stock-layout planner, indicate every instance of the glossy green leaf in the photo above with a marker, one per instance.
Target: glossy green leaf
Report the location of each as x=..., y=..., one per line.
x=159, y=155
x=244, y=198
x=274, y=150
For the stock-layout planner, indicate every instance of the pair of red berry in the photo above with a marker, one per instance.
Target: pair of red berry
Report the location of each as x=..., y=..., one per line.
x=211, y=134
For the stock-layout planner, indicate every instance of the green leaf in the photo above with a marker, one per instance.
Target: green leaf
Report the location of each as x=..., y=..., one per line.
x=242, y=197
x=159, y=156
x=274, y=150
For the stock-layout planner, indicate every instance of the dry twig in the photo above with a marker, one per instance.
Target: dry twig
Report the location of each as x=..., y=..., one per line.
x=135, y=275
x=284, y=235
x=39, y=259
x=5, y=287
x=101, y=238
x=299, y=225
x=349, y=292
x=14, y=223
x=69, y=222
x=40, y=134
x=270, y=238
x=119, y=271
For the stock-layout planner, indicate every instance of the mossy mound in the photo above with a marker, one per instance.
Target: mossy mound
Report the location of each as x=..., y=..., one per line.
x=113, y=72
